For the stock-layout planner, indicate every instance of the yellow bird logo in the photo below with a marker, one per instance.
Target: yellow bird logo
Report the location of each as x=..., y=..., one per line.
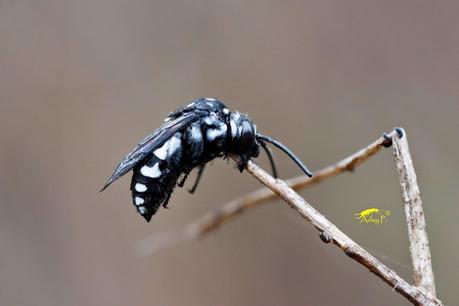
x=372, y=215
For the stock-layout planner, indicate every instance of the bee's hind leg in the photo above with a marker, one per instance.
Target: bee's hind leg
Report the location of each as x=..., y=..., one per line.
x=181, y=183
x=198, y=179
x=166, y=201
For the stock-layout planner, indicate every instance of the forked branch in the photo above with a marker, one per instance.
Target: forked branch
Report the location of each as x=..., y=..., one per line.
x=330, y=233
x=419, y=248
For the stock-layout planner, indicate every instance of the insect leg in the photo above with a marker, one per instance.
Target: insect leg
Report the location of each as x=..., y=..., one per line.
x=286, y=151
x=270, y=156
x=198, y=178
x=166, y=201
x=182, y=181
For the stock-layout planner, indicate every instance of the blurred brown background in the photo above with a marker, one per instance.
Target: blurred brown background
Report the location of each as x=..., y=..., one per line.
x=82, y=81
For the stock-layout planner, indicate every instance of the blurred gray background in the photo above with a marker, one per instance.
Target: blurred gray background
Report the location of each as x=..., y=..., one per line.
x=82, y=81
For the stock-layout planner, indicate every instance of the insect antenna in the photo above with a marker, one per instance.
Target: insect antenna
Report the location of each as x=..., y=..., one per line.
x=286, y=151
x=270, y=156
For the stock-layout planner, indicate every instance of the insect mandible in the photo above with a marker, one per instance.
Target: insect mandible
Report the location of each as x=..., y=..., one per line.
x=190, y=137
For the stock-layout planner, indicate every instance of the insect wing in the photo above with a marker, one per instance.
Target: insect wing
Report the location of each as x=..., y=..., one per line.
x=149, y=144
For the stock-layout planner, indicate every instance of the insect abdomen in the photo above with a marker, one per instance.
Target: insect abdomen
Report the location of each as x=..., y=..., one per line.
x=154, y=179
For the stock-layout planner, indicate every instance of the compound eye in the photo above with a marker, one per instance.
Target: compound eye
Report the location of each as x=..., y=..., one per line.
x=247, y=135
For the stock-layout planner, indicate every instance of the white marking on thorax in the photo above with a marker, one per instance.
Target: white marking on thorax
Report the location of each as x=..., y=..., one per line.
x=168, y=148
x=167, y=119
x=196, y=133
x=140, y=187
x=209, y=121
x=211, y=99
x=235, y=117
x=212, y=134
x=212, y=119
x=152, y=172
x=139, y=201
x=226, y=111
x=233, y=128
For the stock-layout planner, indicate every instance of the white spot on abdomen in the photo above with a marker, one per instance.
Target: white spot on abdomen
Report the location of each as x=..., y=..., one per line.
x=140, y=187
x=152, y=172
x=142, y=210
x=168, y=148
x=161, y=152
x=139, y=201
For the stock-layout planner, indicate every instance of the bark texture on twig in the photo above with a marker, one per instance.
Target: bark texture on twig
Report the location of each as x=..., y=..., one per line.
x=330, y=233
x=417, y=229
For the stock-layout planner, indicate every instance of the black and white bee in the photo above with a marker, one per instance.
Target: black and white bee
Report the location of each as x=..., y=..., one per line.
x=189, y=138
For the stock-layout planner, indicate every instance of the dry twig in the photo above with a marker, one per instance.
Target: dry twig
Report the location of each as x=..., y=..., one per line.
x=417, y=232
x=419, y=247
x=330, y=233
